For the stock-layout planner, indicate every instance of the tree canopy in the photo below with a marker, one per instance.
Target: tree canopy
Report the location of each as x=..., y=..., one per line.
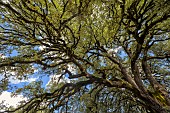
x=108, y=55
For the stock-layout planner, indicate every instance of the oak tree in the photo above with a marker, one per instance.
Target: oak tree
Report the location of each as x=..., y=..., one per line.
x=114, y=54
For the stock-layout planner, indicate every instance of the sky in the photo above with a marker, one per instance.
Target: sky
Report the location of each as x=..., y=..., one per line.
x=5, y=96
x=47, y=80
x=7, y=100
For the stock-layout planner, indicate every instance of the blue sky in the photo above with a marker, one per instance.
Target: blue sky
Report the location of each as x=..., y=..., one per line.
x=37, y=76
x=46, y=79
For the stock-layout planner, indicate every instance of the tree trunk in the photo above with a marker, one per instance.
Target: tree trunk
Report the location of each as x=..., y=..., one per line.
x=153, y=105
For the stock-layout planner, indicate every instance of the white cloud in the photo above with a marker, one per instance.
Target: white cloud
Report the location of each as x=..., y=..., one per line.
x=61, y=79
x=72, y=68
x=13, y=79
x=8, y=101
x=17, y=81
x=114, y=51
x=57, y=79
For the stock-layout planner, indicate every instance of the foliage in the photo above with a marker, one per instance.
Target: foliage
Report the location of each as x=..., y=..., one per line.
x=119, y=50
